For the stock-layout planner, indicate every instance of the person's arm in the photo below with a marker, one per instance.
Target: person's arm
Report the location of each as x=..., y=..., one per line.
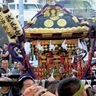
x=6, y=54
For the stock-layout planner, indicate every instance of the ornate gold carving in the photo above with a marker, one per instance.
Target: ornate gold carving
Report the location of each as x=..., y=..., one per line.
x=75, y=19
x=53, y=11
x=54, y=18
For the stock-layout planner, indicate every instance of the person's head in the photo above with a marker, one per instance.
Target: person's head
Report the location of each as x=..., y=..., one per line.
x=5, y=46
x=25, y=81
x=15, y=64
x=20, y=66
x=4, y=64
x=51, y=87
x=71, y=87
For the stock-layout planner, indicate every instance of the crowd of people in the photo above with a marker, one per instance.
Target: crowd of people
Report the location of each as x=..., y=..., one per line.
x=67, y=87
x=27, y=86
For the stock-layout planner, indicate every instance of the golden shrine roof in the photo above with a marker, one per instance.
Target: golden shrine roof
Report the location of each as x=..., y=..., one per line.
x=50, y=22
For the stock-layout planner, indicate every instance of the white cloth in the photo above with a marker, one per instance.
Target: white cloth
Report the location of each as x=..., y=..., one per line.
x=64, y=45
x=27, y=47
x=51, y=46
x=39, y=47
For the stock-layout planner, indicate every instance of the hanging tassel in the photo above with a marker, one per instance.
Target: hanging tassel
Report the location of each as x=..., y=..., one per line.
x=72, y=61
x=51, y=46
x=79, y=44
x=39, y=47
x=84, y=46
x=64, y=45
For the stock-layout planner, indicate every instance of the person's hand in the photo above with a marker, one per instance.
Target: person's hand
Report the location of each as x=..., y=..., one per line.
x=5, y=79
x=40, y=89
x=2, y=79
x=8, y=74
x=30, y=91
x=87, y=86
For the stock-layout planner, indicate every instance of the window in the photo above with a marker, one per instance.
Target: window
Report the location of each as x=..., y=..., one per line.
x=30, y=6
x=12, y=6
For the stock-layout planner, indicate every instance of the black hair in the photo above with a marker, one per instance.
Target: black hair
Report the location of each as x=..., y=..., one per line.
x=68, y=86
x=52, y=86
x=48, y=83
x=1, y=47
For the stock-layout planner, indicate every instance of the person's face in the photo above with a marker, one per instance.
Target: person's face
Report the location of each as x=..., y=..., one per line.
x=5, y=64
x=27, y=83
x=0, y=49
x=15, y=64
x=20, y=67
x=5, y=46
